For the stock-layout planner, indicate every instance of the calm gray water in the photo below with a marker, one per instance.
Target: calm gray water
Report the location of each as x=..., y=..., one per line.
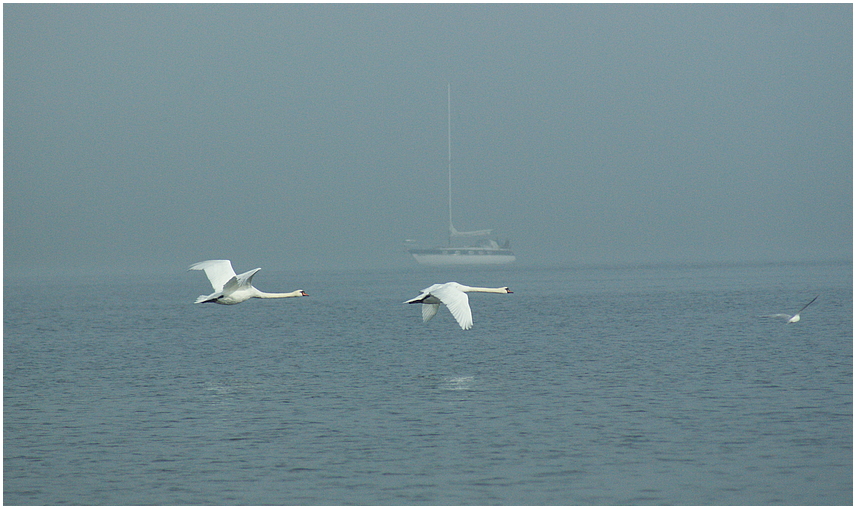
x=652, y=385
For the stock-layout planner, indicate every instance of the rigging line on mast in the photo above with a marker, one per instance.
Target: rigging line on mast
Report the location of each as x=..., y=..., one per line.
x=452, y=231
x=449, y=145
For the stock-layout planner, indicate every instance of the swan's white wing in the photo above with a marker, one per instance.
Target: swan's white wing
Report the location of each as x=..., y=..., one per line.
x=218, y=271
x=430, y=304
x=428, y=311
x=208, y=298
x=230, y=286
x=457, y=302
x=425, y=296
x=418, y=298
x=240, y=282
x=246, y=279
x=778, y=315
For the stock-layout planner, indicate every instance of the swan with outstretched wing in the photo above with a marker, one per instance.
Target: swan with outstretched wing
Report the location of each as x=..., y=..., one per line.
x=231, y=288
x=454, y=296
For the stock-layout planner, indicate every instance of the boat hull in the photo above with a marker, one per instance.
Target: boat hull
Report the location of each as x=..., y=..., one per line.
x=462, y=256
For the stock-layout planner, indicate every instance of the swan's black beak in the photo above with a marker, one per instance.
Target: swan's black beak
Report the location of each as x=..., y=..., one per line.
x=303, y=294
x=508, y=290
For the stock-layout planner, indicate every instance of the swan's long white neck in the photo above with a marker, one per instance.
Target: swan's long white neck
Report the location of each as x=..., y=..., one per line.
x=295, y=293
x=465, y=288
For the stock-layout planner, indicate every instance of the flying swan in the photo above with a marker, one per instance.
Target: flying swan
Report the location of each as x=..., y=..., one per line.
x=454, y=296
x=233, y=289
x=795, y=318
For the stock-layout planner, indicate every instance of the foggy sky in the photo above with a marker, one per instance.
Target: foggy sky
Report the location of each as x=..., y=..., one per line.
x=143, y=138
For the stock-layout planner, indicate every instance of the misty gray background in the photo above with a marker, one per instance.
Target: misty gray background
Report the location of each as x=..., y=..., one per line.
x=142, y=138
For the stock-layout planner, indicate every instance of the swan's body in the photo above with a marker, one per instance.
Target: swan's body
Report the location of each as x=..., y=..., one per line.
x=230, y=288
x=795, y=318
x=454, y=296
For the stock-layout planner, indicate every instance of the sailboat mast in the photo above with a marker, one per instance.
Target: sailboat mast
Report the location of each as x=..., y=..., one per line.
x=449, y=144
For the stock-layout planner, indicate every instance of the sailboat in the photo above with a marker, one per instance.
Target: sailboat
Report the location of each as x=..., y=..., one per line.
x=484, y=251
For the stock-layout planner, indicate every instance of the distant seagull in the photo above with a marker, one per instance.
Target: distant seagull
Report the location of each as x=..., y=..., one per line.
x=795, y=318
x=454, y=296
x=233, y=289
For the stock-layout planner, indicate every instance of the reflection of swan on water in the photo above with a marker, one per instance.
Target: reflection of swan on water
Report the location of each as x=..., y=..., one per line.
x=457, y=383
x=454, y=296
x=233, y=289
x=795, y=318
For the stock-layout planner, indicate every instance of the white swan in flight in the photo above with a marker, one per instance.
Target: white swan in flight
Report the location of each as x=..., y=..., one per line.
x=795, y=318
x=233, y=289
x=454, y=296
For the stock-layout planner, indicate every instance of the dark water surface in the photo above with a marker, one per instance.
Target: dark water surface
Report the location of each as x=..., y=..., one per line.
x=650, y=385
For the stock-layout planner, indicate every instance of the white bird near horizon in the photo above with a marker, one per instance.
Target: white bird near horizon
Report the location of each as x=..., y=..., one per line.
x=454, y=296
x=230, y=288
x=792, y=318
